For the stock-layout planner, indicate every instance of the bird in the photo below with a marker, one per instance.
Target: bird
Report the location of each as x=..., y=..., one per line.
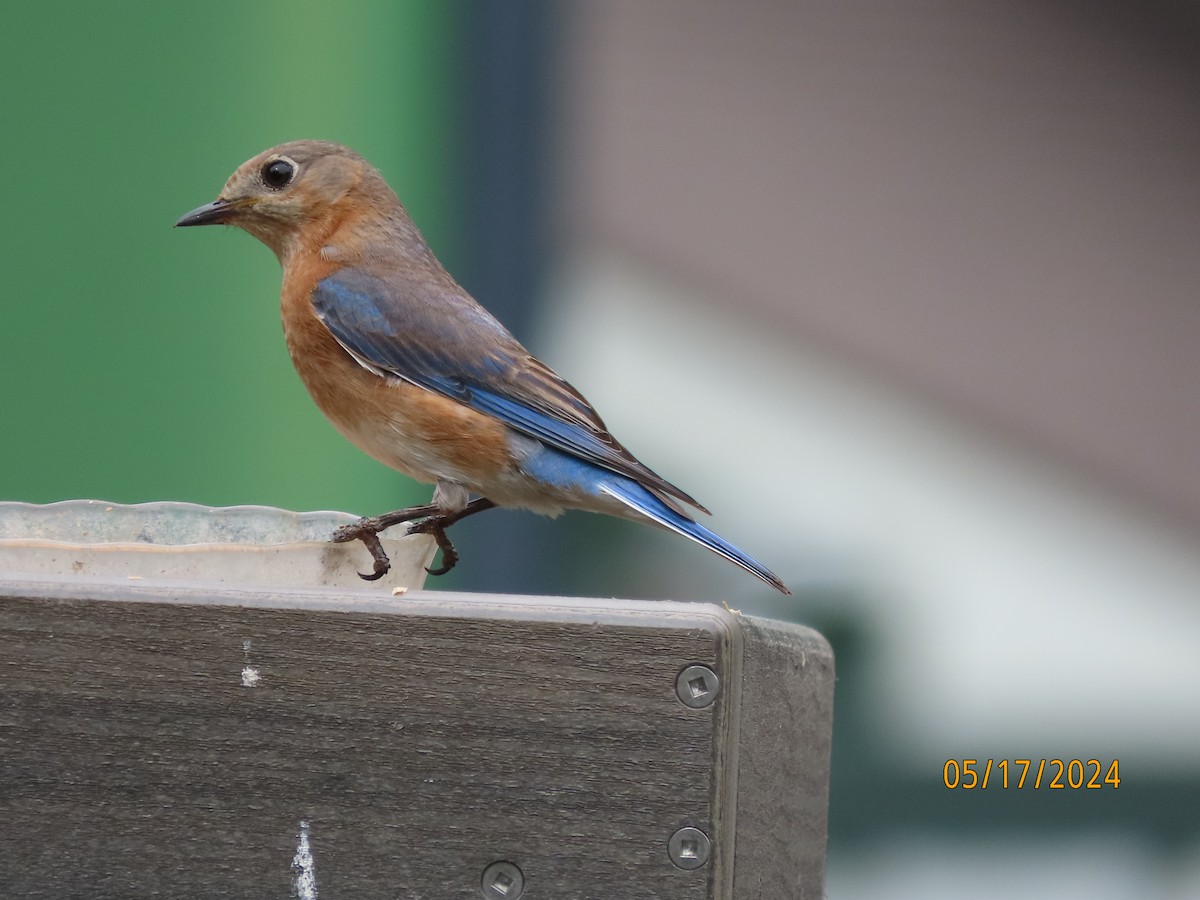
x=417, y=374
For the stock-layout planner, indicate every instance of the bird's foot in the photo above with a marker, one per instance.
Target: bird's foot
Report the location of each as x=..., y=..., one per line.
x=382, y=564
x=367, y=530
x=436, y=526
x=435, y=523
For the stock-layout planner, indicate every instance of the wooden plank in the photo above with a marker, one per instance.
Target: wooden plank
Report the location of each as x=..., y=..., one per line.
x=785, y=736
x=169, y=741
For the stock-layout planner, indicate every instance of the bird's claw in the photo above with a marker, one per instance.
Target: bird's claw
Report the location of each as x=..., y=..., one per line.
x=366, y=530
x=436, y=527
x=374, y=576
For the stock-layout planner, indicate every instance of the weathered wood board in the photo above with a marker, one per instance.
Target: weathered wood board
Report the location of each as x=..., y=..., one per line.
x=175, y=741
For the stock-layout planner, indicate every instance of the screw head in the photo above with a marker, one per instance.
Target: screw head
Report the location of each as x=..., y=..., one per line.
x=502, y=881
x=689, y=848
x=697, y=686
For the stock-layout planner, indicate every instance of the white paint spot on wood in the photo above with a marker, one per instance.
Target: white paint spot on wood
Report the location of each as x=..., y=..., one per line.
x=250, y=674
x=305, y=867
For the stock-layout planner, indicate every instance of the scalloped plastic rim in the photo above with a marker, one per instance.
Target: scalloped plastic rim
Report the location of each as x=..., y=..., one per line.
x=163, y=522
x=175, y=540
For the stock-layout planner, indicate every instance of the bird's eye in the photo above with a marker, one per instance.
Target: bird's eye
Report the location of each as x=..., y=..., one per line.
x=278, y=173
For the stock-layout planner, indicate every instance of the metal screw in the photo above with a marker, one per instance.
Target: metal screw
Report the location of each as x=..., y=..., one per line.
x=697, y=686
x=502, y=881
x=689, y=848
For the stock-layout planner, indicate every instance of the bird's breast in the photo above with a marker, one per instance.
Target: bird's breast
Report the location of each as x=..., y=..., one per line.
x=418, y=432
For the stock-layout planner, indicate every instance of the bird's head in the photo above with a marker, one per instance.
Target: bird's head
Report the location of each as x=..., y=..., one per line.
x=292, y=192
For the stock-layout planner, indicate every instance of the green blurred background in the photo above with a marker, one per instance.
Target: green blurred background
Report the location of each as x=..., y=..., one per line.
x=143, y=363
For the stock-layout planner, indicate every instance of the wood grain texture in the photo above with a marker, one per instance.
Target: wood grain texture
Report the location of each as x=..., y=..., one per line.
x=421, y=739
x=785, y=737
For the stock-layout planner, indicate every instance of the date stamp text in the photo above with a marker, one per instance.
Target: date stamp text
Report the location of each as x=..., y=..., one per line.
x=1035, y=774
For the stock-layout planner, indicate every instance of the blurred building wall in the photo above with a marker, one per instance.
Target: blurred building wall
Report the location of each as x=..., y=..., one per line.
x=993, y=203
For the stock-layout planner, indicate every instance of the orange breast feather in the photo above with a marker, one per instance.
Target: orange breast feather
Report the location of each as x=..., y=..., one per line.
x=421, y=433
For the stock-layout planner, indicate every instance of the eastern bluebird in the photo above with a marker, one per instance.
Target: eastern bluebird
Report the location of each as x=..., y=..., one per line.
x=418, y=375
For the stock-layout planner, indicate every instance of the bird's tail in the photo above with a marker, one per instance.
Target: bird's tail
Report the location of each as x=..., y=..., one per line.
x=639, y=498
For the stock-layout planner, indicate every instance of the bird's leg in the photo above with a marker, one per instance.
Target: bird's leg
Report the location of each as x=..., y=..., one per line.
x=437, y=525
x=376, y=524
x=367, y=530
x=436, y=522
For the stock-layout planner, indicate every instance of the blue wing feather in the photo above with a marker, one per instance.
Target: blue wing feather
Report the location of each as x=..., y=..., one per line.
x=440, y=339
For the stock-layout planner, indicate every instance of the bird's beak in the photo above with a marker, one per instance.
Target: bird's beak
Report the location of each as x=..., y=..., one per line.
x=215, y=213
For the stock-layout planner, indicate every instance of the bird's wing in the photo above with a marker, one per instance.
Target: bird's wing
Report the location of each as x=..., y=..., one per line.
x=443, y=341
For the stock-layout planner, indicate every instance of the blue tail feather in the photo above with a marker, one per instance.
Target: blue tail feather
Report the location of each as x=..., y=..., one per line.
x=645, y=502
x=564, y=472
